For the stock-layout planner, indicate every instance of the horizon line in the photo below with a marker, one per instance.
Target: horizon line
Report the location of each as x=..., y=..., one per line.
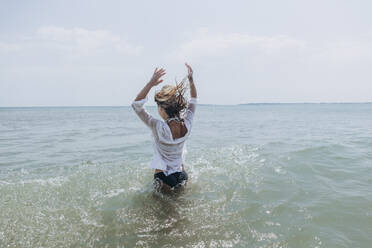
x=209, y=104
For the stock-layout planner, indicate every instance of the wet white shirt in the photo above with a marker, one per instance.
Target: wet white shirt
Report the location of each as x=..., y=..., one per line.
x=169, y=153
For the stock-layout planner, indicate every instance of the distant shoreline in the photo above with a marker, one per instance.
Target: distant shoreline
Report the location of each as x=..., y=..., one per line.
x=278, y=103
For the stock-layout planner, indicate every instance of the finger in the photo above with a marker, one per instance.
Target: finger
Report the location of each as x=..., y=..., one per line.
x=158, y=76
x=161, y=70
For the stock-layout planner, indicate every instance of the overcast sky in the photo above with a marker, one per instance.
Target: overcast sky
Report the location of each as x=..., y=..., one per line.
x=68, y=53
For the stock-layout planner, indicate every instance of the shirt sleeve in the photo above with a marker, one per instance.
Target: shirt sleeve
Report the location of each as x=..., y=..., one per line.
x=142, y=113
x=190, y=110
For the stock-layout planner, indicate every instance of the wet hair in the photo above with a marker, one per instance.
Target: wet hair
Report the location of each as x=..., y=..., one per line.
x=172, y=99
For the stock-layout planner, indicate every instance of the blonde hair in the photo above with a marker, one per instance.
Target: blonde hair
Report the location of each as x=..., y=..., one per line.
x=171, y=99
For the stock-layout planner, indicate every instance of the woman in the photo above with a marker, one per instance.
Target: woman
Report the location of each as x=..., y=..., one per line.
x=170, y=133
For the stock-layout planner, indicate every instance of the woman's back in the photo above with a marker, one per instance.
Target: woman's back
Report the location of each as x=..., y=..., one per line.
x=178, y=129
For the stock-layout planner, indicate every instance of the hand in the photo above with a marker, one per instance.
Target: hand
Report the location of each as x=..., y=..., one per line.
x=189, y=72
x=155, y=80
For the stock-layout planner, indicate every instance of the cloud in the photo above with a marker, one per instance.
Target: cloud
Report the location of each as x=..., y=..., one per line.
x=229, y=67
x=206, y=44
x=84, y=41
x=73, y=42
x=255, y=48
x=73, y=66
x=9, y=47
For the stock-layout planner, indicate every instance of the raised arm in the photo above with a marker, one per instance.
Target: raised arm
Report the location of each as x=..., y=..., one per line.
x=192, y=103
x=191, y=80
x=138, y=103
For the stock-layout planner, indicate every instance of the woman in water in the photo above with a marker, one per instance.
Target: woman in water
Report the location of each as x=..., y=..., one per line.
x=170, y=133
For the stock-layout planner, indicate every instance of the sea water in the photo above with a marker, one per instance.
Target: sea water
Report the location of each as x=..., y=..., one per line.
x=260, y=175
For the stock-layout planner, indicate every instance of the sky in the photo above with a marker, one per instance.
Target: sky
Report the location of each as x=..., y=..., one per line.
x=101, y=53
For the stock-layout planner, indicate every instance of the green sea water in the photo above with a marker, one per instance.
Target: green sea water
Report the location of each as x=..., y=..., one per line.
x=261, y=175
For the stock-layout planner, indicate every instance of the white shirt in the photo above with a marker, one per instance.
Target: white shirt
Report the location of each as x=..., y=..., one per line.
x=169, y=153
